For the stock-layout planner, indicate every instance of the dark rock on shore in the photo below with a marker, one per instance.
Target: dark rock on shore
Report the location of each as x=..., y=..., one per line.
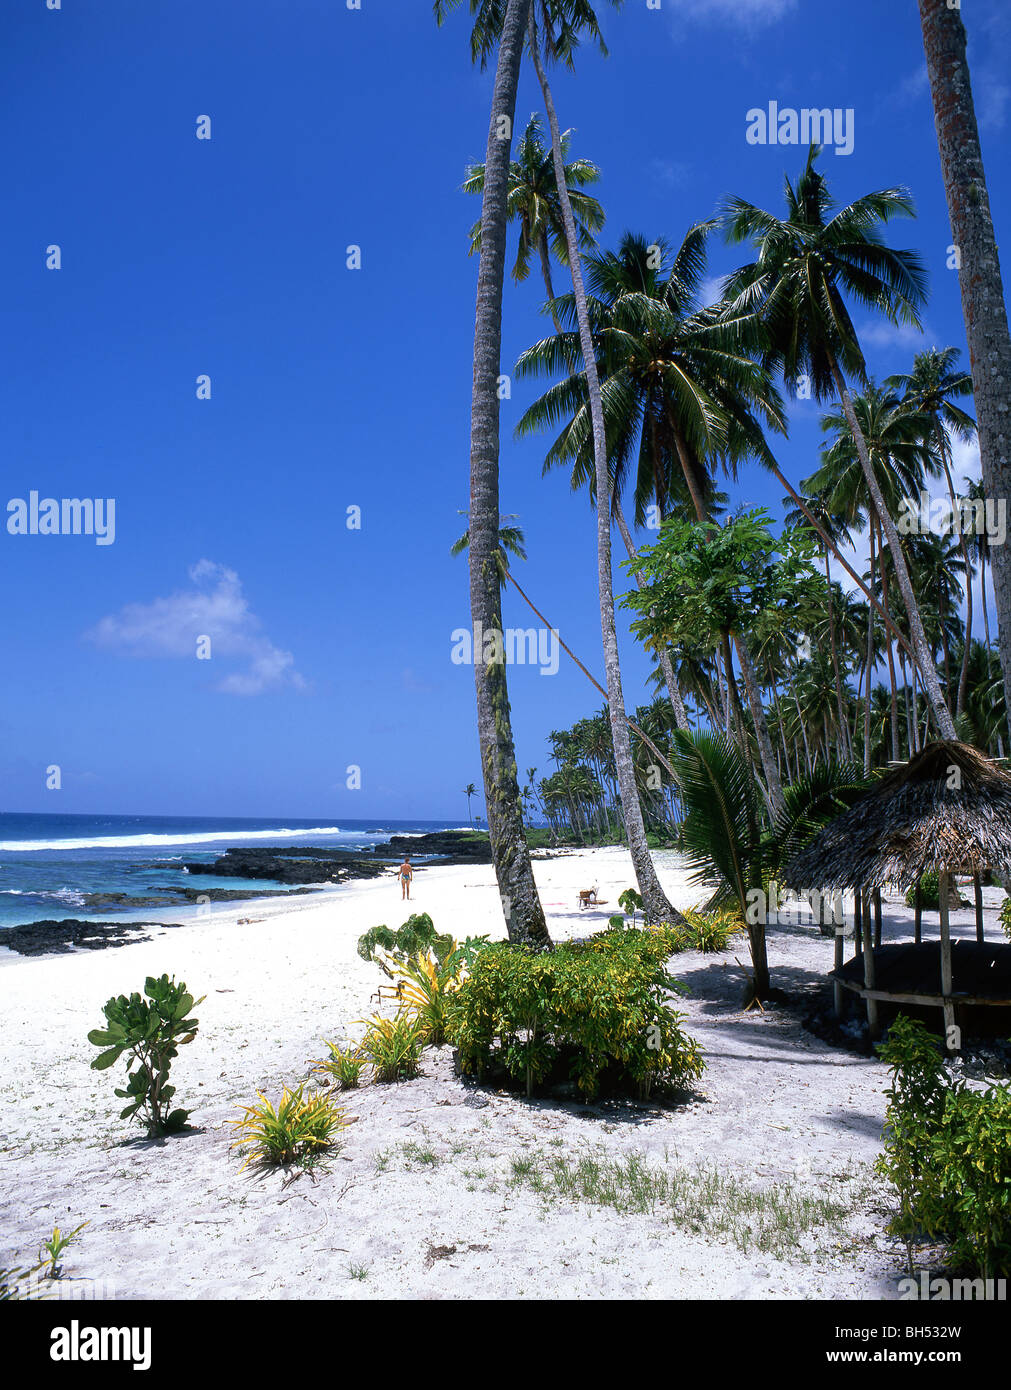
x=291, y=866
x=170, y=897
x=307, y=864
x=42, y=938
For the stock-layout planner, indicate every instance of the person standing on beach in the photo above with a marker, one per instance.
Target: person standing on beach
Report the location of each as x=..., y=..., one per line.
x=406, y=874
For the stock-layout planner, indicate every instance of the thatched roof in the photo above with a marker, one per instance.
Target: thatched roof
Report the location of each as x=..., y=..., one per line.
x=921, y=816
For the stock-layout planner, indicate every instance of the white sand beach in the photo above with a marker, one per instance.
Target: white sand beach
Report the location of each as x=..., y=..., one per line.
x=429, y=1195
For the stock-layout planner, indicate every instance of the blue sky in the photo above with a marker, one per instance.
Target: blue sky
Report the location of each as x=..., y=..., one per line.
x=333, y=388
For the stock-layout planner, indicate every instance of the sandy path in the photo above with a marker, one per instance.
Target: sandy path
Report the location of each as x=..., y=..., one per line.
x=424, y=1198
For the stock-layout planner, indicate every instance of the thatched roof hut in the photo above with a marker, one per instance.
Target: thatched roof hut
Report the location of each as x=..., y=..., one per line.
x=948, y=808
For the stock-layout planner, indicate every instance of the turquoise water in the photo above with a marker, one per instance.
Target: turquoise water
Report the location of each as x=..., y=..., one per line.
x=50, y=863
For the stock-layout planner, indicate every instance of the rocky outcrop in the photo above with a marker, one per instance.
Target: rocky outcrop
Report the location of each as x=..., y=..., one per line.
x=42, y=938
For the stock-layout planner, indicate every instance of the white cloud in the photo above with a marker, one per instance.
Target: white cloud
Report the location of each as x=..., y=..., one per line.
x=711, y=289
x=745, y=13
x=880, y=333
x=215, y=608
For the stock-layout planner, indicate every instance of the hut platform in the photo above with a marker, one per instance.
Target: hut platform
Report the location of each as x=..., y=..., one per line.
x=909, y=974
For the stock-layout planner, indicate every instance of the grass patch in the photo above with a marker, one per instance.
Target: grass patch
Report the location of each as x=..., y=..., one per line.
x=704, y=1201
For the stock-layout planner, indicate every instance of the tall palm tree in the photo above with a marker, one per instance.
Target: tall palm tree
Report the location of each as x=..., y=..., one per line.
x=556, y=33
x=979, y=549
x=932, y=388
x=805, y=262
x=679, y=395
x=893, y=436
x=533, y=203
x=983, y=306
x=469, y=791
x=521, y=905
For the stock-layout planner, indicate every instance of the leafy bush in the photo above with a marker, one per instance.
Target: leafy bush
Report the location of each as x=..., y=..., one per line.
x=296, y=1132
x=427, y=985
x=150, y=1031
x=948, y=1154
x=416, y=936
x=393, y=1045
x=598, y=1006
x=344, y=1065
x=707, y=931
x=631, y=902
x=930, y=893
x=1005, y=916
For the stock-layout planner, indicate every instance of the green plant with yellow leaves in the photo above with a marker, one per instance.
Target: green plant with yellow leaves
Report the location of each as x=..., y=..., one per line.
x=393, y=1045
x=344, y=1065
x=53, y=1248
x=426, y=984
x=294, y=1134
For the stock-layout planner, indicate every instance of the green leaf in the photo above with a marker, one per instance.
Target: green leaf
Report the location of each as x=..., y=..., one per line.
x=183, y=1006
x=106, y=1059
x=101, y=1037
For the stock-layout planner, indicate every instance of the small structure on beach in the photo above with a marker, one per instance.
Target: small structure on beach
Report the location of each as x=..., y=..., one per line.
x=947, y=811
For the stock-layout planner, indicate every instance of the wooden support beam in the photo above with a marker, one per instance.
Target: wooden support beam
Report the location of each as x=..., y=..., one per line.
x=837, y=995
x=977, y=889
x=877, y=916
x=870, y=1001
x=918, y=913
x=950, y=1027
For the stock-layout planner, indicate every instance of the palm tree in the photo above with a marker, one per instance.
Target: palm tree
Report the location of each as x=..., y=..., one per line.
x=979, y=549
x=533, y=202
x=558, y=31
x=678, y=393
x=796, y=285
x=521, y=905
x=893, y=436
x=469, y=791
x=983, y=307
x=931, y=389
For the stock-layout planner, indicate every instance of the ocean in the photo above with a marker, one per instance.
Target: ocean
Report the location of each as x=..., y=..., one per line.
x=52, y=866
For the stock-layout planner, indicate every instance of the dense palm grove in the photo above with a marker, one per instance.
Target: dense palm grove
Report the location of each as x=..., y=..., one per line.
x=784, y=662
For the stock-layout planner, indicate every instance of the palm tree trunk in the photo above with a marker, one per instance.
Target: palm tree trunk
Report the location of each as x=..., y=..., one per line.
x=761, y=724
x=894, y=705
x=942, y=442
x=655, y=903
x=870, y=663
x=522, y=907
x=542, y=248
x=843, y=726
x=666, y=665
x=921, y=650
x=983, y=307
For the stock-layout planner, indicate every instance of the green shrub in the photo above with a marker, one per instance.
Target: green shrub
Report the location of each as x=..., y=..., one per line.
x=344, y=1065
x=393, y=1045
x=150, y=1031
x=706, y=931
x=930, y=893
x=947, y=1152
x=1005, y=916
x=414, y=938
x=600, y=1006
x=295, y=1133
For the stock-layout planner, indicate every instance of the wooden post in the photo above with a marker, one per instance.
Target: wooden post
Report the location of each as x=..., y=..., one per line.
x=858, y=930
x=872, y=1004
x=918, y=910
x=950, y=1030
x=837, y=1004
x=977, y=888
x=877, y=916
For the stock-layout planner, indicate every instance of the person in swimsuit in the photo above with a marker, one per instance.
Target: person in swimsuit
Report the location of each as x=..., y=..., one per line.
x=406, y=874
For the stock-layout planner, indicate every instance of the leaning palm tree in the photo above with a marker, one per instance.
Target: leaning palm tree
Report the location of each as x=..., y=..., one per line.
x=560, y=25
x=975, y=240
x=932, y=389
x=806, y=261
x=501, y=23
x=534, y=204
